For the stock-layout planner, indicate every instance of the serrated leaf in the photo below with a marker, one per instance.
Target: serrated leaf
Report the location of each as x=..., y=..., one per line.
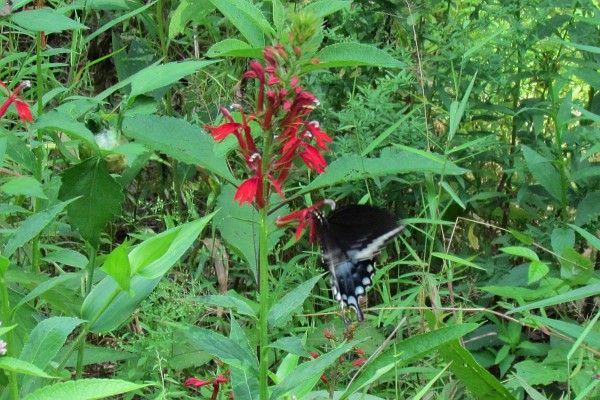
x=521, y=252
x=281, y=312
x=247, y=18
x=84, y=389
x=179, y=139
x=575, y=268
x=543, y=171
x=45, y=20
x=478, y=380
x=392, y=162
x=244, y=384
x=100, y=197
x=537, y=270
x=32, y=226
x=24, y=186
x=562, y=238
x=158, y=76
x=352, y=55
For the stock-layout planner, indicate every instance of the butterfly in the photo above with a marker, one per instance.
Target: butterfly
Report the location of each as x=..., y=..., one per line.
x=350, y=239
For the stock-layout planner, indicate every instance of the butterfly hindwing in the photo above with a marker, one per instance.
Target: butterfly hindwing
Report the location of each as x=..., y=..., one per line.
x=350, y=238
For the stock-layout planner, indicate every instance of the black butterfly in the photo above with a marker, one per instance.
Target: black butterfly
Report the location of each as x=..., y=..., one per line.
x=350, y=239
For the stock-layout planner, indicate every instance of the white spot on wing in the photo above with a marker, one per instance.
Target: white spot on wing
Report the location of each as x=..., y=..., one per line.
x=373, y=248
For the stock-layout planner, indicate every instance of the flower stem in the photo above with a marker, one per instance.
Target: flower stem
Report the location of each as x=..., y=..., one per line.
x=263, y=276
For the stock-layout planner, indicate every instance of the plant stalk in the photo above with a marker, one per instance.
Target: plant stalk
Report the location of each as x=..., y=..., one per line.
x=263, y=272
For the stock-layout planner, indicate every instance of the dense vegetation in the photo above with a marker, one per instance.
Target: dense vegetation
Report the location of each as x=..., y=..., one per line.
x=158, y=158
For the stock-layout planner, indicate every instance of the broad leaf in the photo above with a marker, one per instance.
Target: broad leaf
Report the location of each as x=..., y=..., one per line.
x=84, y=389
x=158, y=76
x=413, y=348
x=179, y=139
x=352, y=55
x=281, y=312
x=392, y=162
x=228, y=350
x=45, y=20
x=543, y=171
x=117, y=266
x=233, y=48
x=32, y=226
x=249, y=20
x=24, y=186
x=58, y=121
x=99, y=201
x=107, y=306
x=477, y=379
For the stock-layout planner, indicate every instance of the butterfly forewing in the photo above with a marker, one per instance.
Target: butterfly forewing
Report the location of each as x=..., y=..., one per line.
x=350, y=239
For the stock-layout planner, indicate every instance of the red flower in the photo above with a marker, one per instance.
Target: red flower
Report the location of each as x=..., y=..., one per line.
x=246, y=192
x=22, y=108
x=358, y=362
x=305, y=217
x=320, y=136
x=312, y=158
x=196, y=382
x=313, y=354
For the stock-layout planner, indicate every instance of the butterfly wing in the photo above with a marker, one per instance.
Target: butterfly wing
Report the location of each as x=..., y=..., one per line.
x=351, y=237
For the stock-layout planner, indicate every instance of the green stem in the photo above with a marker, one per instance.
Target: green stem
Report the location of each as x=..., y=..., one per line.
x=264, y=305
x=39, y=153
x=7, y=321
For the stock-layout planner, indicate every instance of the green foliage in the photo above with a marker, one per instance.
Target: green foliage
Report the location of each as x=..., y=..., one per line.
x=476, y=123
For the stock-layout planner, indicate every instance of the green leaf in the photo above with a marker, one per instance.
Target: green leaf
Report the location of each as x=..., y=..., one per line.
x=24, y=186
x=459, y=261
x=457, y=110
x=45, y=20
x=413, y=348
x=537, y=270
x=575, y=268
x=521, y=237
x=352, y=55
x=179, y=139
x=238, y=225
x=544, y=172
x=247, y=18
x=107, y=306
x=63, y=123
x=11, y=364
x=588, y=209
x=352, y=168
x=593, y=240
x=562, y=238
x=309, y=371
x=535, y=373
x=244, y=384
x=32, y=226
x=571, y=295
x=46, y=339
x=158, y=76
x=84, y=389
x=290, y=345
x=100, y=197
x=575, y=331
x=226, y=349
x=229, y=301
x=233, y=48
x=68, y=257
x=323, y=8
x=117, y=266
x=521, y=252
x=281, y=312
x=478, y=380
